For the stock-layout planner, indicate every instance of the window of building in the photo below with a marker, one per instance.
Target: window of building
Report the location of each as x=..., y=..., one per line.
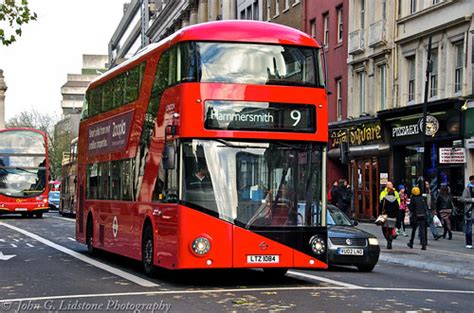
x=436, y=1
x=384, y=9
x=242, y=15
x=277, y=7
x=411, y=78
x=326, y=29
x=339, y=99
x=458, y=72
x=434, y=74
x=362, y=14
x=413, y=6
x=269, y=10
x=339, y=25
x=312, y=28
x=256, y=13
x=383, y=86
x=361, y=85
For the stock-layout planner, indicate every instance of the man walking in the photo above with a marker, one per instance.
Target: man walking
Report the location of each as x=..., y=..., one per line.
x=468, y=199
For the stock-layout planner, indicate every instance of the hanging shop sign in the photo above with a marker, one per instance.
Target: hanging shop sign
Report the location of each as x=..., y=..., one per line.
x=452, y=155
x=356, y=135
x=470, y=143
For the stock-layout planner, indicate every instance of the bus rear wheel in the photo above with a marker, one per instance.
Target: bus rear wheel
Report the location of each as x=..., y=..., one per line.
x=90, y=236
x=148, y=251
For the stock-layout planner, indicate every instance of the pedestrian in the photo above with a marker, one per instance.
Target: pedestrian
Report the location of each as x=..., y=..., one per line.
x=431, y=204
x=389, y=204
x=419, y=210
x=468, y=198
x=341, y=196
x=331, y=192
x=403, y=210
x=444, y=208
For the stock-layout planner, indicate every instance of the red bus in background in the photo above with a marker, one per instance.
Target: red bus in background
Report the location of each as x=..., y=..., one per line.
x=54, y=185
x=24, y=172
x=207, y=150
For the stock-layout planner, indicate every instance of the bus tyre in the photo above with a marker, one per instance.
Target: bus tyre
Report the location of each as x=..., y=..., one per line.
x=39, y=215
x=275, y=273
x=90, y=236
x=148, y=251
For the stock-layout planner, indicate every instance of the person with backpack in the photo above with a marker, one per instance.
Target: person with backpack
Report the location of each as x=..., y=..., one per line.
x=419, y=211
x=468, y=198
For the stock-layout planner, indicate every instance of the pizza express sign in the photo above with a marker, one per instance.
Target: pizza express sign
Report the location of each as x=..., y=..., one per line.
x=432, y=127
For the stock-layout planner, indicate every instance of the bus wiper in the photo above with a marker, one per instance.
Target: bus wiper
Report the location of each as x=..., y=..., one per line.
x=231, y=145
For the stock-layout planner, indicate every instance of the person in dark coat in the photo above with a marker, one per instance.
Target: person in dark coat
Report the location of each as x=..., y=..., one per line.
x=444, y=208
x=342, y=196
x=418, y=210
x=390, y=205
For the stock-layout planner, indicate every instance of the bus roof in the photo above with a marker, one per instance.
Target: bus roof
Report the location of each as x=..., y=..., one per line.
x=228, y=30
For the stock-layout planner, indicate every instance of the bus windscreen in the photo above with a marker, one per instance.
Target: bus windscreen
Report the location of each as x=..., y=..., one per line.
x=22, y=163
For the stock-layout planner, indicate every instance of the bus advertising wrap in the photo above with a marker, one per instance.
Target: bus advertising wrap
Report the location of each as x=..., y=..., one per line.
x=265, y=116
x=110, y=135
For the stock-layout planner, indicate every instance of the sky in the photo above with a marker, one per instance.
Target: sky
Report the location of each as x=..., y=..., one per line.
x=36, y=66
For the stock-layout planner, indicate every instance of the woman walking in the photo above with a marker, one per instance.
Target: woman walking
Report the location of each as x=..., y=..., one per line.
x=389, y=204
x=444, y=208
x=419, y=210
x=403, y=210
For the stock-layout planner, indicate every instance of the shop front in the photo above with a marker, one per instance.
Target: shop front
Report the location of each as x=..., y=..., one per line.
x=367, y=165
x=444, y=156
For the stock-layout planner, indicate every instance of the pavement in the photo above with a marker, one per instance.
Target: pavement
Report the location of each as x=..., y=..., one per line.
x=442, y=255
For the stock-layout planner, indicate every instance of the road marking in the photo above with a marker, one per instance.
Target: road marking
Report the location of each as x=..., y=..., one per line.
x=30, y=245
x=13, y=245
x=16, y=240
x=2, y=240
x=137, y=280
x=4, y=257
x=323, y=279
x=72, y=239
x=63, y=218
x=207, y=291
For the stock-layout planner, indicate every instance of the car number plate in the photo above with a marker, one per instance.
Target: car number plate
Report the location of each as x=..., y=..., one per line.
x=263, y=258
x=21, y=209
x=350, y=251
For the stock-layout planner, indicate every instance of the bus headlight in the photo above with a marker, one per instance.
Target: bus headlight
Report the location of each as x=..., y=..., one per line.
x=373, y=241
x=201, y=246
x=317, y=244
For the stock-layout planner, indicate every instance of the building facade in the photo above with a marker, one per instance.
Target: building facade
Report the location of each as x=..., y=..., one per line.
x=3, y=89
x=327, y=21
x=286, y=12
x=445, y=160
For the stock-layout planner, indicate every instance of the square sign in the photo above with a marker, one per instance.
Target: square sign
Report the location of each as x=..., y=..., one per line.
x=452, y=156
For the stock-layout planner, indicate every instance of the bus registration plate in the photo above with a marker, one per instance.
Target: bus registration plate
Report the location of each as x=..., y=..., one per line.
x=263, y=258
x=21, y=209
x=350, y=251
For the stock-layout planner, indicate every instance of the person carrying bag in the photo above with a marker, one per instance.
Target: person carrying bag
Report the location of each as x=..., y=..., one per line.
x=419, y=212
x=389, y=205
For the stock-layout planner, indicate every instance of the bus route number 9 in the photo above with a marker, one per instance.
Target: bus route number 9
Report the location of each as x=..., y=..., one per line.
x=295, y=116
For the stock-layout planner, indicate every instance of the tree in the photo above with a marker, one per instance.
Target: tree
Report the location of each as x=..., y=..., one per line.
x=44, y=122
x=14, y=14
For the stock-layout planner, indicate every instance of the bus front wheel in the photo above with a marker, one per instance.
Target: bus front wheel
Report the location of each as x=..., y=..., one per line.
x=148, y=251
x=39, y=215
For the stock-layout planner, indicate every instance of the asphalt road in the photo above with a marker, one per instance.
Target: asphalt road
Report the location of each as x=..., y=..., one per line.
x=42, y=268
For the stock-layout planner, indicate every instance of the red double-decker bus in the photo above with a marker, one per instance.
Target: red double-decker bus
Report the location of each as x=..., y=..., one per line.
x=24, y=172
x=207, y=150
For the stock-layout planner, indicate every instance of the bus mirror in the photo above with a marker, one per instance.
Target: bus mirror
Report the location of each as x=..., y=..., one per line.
x=169, y=156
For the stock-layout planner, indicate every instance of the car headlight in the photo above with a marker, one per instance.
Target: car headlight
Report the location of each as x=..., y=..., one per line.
x=373, y=241
x=201, y=246
x=317, y=244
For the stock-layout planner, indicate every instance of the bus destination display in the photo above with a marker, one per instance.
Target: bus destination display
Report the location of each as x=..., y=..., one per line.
x=265, y=116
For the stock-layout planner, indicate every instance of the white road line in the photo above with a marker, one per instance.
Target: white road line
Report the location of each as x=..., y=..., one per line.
x=16, y=240
x=13, y=245
x=322, y=279
x=2, y=240
x=137, y=280
x=207, y=291
x=63, y=218
x=30, y=245
x=72, y=239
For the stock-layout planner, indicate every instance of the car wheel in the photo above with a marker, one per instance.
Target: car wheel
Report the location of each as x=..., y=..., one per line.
x=366, y=268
